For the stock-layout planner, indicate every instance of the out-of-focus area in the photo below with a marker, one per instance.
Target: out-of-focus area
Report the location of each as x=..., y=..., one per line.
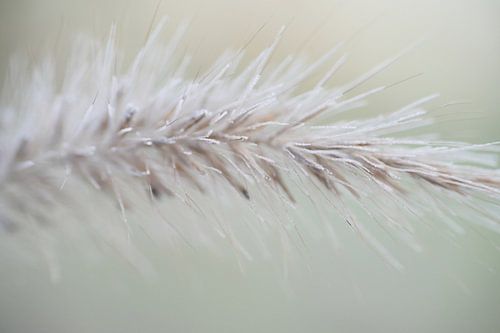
x=451, y=287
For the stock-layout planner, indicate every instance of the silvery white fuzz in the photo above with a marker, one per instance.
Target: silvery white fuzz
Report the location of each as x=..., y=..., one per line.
x=153, y=131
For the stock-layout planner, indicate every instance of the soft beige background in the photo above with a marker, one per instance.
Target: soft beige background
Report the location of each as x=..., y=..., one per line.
x=452, y=287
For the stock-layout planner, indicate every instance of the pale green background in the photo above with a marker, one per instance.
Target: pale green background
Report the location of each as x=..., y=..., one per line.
x=452, y=287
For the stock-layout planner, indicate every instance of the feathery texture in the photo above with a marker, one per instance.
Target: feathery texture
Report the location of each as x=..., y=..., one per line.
x=154, y=127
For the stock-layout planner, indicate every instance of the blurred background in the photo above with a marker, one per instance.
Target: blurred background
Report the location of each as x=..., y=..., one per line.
x=451, y=287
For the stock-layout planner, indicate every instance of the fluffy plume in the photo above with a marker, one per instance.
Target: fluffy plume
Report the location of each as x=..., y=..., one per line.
x=154, y=127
